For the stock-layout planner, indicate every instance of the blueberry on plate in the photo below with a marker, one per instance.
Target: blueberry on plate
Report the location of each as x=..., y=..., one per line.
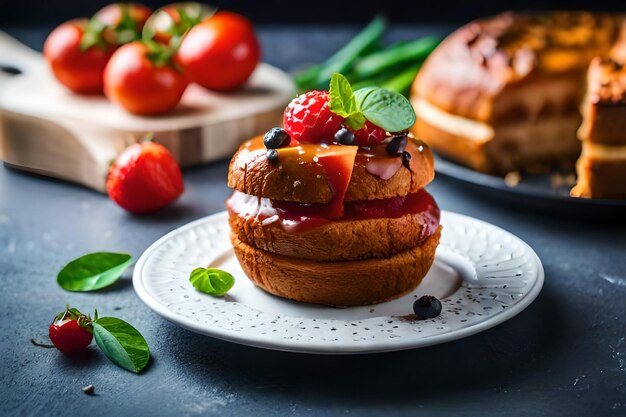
x=276, y=138
x=427, y=307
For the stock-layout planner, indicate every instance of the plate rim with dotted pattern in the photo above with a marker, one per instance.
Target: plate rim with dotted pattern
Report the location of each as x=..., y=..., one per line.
x=501, y=274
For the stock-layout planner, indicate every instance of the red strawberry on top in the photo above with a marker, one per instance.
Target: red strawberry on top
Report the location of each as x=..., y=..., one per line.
x=308, y=119
x=369, y=135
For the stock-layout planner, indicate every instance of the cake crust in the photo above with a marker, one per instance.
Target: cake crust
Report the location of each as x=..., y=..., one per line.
x=483, y=61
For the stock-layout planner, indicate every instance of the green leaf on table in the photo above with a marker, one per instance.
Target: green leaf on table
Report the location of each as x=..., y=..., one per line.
x=343, y=103
x=121, y=343
x=387, y=109
x=211, y=281
x=93, y=271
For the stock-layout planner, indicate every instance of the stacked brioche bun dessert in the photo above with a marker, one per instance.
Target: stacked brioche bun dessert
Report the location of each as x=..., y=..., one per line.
x=331, y=209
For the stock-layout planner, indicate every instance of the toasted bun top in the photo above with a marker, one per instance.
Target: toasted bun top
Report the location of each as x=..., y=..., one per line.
x=313, y=173
x=477, y=62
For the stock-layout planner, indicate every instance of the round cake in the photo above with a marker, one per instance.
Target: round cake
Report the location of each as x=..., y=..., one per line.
x=504, y=93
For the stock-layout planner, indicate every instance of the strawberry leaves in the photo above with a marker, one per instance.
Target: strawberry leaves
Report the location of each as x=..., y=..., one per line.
x=386, y=109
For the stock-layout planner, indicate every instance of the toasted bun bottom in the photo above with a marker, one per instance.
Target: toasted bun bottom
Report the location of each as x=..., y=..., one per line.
x=348, y=283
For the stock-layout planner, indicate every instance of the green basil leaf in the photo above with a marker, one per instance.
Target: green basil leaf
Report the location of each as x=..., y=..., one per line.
x=341, y=98
x=387, y=109
x=355, y=121
x=211, y=281
x=121, y=343
x=361, y=94
x=93, y=271
x=342, y=102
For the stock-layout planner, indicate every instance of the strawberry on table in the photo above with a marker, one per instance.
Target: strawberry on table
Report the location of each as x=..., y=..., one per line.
x=145, y=178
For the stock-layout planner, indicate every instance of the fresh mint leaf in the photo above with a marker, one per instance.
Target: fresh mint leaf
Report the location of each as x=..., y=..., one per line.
x=93, y=271
x=341, y=96
x=343, y=103
x=121, y=343
x=361, y=94
x=387, y=109
x=211, y=281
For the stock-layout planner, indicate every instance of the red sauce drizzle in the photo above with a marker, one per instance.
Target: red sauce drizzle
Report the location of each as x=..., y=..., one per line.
x=297, y=217
x=313, y=164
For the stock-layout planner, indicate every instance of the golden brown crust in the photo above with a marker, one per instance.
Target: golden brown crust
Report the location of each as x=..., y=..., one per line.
x=479, y=62
x=349, y=283
x=251, y=173
x=334, y=241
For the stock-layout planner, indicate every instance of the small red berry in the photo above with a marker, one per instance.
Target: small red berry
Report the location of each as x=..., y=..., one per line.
x=145, y=178
x=369, y=135
x=308, y=119
x=71, y=332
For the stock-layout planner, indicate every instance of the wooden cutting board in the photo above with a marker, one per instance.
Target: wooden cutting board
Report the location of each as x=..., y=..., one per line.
x=46, y=129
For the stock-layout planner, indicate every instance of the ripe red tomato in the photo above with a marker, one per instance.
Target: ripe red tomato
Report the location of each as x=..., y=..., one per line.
x=80, y=71
x=144, y=178
x=70, y=332
x=140, y=85
x=221, y=52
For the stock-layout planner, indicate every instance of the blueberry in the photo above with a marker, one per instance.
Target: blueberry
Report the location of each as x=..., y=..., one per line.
x=406, y=160
x=397, y=145
x=276, y=138
x=344, y=136
x=271, y=155
x=427, y=307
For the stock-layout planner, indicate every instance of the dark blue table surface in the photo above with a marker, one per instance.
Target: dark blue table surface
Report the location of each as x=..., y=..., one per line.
x=564, y=355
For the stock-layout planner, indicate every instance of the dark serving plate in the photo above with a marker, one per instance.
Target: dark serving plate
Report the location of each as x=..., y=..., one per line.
x=532, y=190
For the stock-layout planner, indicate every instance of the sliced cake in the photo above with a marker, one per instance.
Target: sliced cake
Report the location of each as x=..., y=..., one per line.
x=601, y=168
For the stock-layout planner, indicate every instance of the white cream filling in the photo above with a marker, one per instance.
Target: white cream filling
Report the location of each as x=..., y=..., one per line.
x=450, y=123
x=595, y=150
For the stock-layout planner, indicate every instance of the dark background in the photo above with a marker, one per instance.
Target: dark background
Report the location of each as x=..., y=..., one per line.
x=50, y=12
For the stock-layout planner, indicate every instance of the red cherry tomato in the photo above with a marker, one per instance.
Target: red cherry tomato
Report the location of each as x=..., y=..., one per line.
x=144, y=178
x=221, y=52
x=70, y=333
x=80, y=71
x=139, y=85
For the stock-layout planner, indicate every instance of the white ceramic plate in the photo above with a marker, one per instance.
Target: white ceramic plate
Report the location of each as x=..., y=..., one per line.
x=483, y=276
